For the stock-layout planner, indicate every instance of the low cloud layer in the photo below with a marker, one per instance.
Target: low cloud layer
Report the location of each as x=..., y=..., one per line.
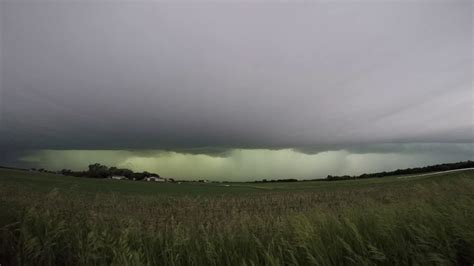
x=156, y=75
x=236, y=90
x=245, y=165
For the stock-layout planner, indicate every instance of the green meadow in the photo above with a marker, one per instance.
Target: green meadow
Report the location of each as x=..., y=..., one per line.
x=49, y=219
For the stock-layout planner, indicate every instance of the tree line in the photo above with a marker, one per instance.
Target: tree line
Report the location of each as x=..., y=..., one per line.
x=102, y=171
x=408, y=171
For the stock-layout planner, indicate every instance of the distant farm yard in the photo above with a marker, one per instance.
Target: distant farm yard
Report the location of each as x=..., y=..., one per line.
x=52, y=219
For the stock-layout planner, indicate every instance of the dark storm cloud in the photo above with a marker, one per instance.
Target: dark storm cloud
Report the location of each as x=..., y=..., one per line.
x=154, y=75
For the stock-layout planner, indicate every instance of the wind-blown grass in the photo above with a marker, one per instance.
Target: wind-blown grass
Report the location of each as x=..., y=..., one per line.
x=425, y=221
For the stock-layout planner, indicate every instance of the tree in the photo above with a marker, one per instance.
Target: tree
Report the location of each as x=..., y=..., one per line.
x=98, y=170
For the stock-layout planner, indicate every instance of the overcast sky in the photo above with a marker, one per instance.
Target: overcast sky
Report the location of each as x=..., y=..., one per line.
x=239, y=81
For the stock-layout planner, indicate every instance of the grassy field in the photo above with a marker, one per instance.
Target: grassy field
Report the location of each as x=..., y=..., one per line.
x=51, y=219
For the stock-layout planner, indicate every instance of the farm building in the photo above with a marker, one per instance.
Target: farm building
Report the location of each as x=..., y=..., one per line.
x=154, y=178
x=118, y=177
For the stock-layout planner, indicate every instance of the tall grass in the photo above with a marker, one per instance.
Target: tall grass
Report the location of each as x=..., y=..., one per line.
x=416, y=224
